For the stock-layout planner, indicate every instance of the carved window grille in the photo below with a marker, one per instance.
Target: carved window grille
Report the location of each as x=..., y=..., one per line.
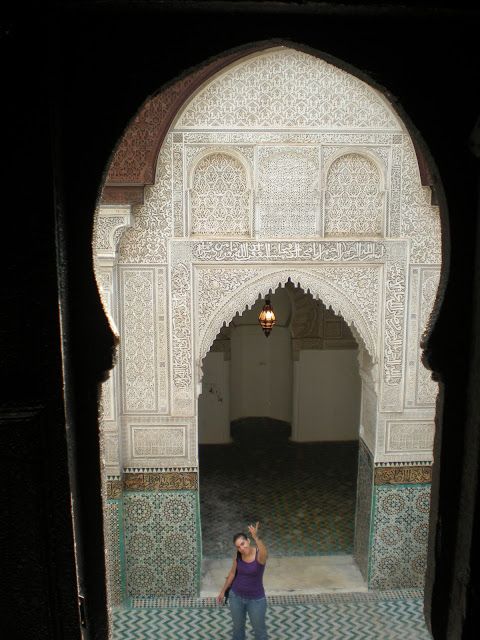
x=353, y=198
x=220, y=197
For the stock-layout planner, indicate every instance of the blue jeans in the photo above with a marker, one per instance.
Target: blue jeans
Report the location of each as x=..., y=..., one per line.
x=256, y=609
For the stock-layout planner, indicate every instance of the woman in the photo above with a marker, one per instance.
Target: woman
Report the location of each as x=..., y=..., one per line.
x=246, y=581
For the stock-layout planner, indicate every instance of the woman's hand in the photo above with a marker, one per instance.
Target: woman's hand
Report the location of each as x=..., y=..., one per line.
x=253, y=530
x=262, y=549
x=220, y=597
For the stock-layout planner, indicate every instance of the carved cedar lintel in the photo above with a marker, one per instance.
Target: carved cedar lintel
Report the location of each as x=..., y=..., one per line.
x=170, y=481
x=403, y=475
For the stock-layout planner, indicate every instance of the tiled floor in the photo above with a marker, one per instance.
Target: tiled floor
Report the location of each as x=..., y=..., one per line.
x=302, y=494
x=380, y=616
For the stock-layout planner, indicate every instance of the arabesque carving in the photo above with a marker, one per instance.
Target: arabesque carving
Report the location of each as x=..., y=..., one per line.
x=219, y=197
x=283, y=163
x=353, y=199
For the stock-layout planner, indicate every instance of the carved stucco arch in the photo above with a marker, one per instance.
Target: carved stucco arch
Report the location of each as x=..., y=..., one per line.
x=317, y=284
x=223, y=150
x=359, y=151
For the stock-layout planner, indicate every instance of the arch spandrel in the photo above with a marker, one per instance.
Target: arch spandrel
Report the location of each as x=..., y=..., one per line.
x=317, y=284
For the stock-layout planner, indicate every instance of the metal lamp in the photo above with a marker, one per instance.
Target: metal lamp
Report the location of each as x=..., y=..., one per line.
x=267, y=318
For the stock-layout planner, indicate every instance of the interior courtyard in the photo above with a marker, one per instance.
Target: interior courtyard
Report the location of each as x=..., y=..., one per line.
x=321, y=430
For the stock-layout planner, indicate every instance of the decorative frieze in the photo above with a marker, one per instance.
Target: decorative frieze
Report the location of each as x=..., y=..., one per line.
x=403, y=475
x=289, y=251
x=167, y=481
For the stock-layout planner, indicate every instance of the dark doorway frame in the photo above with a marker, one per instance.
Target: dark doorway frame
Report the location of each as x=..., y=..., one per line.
x=84, y=68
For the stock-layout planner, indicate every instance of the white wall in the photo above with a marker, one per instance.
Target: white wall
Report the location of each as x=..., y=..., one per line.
x=214, y=401
x=327, y=393
x=261, y=373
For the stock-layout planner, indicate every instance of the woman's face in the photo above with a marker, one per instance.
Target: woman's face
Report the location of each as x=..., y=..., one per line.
x=242, y=545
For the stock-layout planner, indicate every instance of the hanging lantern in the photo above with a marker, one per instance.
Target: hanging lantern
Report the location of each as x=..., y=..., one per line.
x=267, y=318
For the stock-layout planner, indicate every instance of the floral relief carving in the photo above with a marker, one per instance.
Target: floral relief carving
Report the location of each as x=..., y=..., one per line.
x=216, y=284
x=219, y=198
x=145, y=242
x=104, y=229
x=181, y=335
x=286, y=88
x=419, y=219
x=138, y=340
x=162, y=342
x=353, y=200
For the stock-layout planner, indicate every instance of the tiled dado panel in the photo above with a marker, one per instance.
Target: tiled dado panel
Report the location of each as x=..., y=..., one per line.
x=162, y=542
x=114, y=552
x=363, y=508
x=400, y=532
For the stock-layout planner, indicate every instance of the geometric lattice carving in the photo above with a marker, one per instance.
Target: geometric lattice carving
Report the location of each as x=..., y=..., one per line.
x=287, y=198
x=353, y=201
x=220, y=198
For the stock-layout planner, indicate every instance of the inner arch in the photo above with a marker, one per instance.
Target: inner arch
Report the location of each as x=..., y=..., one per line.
x=319, y=286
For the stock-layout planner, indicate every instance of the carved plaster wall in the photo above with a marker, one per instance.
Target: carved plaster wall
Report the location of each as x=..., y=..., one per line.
x=324, y=190
x=281, y=166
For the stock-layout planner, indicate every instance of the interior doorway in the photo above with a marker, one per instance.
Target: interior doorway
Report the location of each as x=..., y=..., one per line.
x=278, y=444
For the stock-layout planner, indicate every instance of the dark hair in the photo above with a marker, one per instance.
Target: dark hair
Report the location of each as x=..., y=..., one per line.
x=239, y=535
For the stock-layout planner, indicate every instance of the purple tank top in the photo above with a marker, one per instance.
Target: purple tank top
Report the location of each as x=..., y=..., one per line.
x=248, y=581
